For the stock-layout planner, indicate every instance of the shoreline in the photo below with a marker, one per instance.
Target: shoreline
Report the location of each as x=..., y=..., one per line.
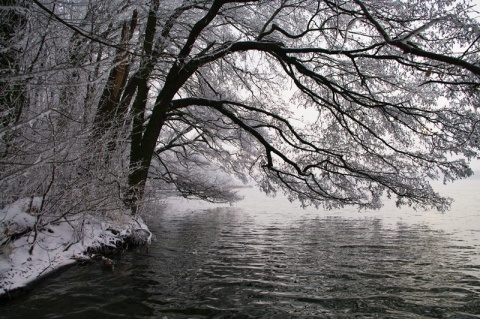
x=9, y=295
x=30, y=253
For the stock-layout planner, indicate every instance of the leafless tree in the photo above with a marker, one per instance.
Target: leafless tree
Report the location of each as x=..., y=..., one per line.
x=334, y=102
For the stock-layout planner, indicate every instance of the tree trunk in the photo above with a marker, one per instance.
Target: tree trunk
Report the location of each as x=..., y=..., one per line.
x=144, y=140
x=109, y=111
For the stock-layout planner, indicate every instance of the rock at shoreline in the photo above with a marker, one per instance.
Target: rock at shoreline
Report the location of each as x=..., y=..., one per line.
x=140, y=236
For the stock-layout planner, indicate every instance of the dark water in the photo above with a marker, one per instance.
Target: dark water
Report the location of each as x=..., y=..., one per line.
x=245, y=262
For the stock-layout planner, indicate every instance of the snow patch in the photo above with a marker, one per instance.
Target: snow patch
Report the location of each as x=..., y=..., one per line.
x=29, y=251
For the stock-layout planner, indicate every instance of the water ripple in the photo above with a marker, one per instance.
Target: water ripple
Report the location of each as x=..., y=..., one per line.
x=225, y=263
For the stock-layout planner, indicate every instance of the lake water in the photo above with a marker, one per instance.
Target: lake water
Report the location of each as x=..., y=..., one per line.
x=268, y=258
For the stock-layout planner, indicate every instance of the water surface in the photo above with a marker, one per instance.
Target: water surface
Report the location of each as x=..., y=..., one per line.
x=267, y=258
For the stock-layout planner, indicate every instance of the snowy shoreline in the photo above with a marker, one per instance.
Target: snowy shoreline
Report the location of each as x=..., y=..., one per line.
x=57, y=241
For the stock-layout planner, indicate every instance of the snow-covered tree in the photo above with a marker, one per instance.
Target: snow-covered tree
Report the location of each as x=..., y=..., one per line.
x=333, y=102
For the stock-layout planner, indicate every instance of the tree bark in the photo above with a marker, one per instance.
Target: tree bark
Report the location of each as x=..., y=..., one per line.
x=108, y=111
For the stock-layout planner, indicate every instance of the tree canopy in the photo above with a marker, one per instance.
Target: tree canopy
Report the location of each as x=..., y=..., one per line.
x=108, y=103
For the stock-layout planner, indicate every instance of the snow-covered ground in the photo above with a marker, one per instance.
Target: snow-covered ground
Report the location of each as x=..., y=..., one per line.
x=56, y=241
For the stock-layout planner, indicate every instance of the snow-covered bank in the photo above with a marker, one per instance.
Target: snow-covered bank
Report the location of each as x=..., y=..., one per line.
x=57, y=241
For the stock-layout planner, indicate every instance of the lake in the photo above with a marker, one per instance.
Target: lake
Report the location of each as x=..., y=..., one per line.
x=268, y=258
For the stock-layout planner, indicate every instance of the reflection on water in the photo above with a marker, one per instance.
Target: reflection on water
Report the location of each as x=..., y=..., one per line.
x=242, y=262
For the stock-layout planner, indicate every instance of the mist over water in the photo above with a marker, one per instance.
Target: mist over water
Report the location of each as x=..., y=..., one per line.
x=268, y=258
